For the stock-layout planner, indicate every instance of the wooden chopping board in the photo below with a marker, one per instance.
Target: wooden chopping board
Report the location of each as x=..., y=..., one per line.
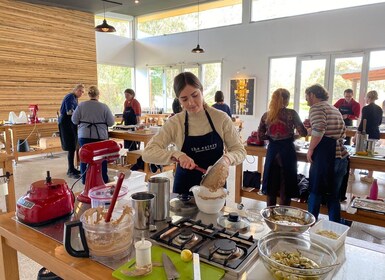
x=185, y=269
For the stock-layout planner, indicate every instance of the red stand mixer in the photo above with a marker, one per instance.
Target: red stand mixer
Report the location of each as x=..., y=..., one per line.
x=94, y=154
x=32, y=118
x=46, y=201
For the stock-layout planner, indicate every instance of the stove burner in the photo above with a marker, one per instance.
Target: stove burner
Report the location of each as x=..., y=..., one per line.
x=186, y=233
x=225, y=246
x=186, y=238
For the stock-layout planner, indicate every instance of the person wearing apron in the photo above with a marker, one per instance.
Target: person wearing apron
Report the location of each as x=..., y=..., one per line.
x=200, y=135
x=93, y=119
x=195, y=148
x=327, y=154
x=349, y=109
x=131, y=114
x=68, y=130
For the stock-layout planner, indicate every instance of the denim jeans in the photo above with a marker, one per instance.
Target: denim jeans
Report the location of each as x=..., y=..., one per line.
x=333, y=198
x=83, y=166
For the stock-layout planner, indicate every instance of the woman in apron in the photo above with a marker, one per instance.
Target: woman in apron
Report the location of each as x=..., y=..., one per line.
x=202, y=136
x=131, y=116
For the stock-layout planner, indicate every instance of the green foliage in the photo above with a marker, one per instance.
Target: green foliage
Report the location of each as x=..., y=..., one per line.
x=112, y=81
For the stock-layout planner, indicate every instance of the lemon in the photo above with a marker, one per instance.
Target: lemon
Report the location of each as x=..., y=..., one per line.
x=186, y=255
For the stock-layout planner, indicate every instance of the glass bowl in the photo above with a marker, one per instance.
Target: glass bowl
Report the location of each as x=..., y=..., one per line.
x=317, y=260
x=287, y=218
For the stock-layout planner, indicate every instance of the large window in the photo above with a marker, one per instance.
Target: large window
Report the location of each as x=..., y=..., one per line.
x=112, y=81
x=212, y=14
x=271, y=9
x=376, y=75
x=360, y=71
x=161, y=80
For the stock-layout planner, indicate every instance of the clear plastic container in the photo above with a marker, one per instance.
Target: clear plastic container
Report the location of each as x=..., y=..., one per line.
x=323, y=225
x=101, y=196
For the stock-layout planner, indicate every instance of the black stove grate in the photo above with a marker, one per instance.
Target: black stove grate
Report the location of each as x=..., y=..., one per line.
x=206, y=245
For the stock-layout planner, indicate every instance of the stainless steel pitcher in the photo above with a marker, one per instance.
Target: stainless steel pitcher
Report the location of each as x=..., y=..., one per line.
x=160, y=186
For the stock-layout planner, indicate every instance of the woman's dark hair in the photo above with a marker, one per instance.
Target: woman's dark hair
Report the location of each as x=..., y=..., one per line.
x=219, y=97
x=186, y=78
x=130, y=91
x=319, y=92
x=176, y=107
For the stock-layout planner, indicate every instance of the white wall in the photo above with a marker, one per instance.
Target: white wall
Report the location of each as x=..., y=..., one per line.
x=248, y=47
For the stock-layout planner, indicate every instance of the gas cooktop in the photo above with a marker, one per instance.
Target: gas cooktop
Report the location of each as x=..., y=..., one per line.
x=229, y=250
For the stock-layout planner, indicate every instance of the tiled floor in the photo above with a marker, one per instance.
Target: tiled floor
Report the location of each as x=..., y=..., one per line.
x=31, y=169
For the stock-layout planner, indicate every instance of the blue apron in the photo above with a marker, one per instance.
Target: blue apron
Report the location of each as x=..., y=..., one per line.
x=205, y=150
x=129, y=118
x=321, y=173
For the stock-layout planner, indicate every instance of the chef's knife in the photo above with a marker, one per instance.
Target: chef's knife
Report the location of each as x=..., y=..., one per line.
x=169, y=267
x=197, y=267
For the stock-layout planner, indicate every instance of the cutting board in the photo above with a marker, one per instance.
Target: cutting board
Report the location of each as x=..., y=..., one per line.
x=185, y=269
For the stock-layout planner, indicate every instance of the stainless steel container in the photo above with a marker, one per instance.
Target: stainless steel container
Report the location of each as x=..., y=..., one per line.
x=142, y=202
x=160, y=186
x=361, y=142
x=371, y=145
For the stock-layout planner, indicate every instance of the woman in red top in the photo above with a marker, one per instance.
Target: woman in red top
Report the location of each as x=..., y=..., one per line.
x=131, y=116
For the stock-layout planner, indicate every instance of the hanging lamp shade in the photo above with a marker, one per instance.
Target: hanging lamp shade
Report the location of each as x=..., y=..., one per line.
x=105, y=27
x=197, y=49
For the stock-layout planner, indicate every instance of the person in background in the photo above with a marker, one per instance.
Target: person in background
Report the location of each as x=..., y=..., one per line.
x=373, y=115
x=93, y=119
x=131, y=116
x=280, y=171
x=349, y=108
x=69, y=131
x=220, y=103
x=327, y=154
x=176, y=107
x=202, y=136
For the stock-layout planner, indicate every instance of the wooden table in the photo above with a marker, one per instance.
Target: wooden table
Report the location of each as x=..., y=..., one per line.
x=7, y=138
x=358, y=162
x=361, y=256
x=137, y=135
x=6, y=165
x=16, y=237
x=34, y=132
x=352, y=132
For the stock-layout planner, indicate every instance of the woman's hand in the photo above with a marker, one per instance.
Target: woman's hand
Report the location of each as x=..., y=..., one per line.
x=186, y=162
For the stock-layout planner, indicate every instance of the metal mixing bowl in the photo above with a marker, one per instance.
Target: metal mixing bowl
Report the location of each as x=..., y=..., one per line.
x=287, y=218
x=277, y=242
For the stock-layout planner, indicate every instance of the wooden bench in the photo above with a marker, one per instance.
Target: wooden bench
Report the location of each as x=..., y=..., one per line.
x=33, y=133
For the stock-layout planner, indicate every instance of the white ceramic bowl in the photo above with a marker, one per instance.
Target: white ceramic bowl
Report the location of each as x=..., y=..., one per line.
x=207, y=201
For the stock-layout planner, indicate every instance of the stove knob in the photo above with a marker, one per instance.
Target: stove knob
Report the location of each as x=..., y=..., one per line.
x=233, y=217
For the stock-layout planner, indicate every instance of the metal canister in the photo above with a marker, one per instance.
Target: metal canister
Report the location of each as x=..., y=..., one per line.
x=361, y=142
x=143, y=202
x=160, y=186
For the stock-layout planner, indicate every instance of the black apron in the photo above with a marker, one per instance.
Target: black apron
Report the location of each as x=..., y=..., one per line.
x=346, y=109
x=129, y=118
x=68, y=133
x=321, y=173
x=286, y=149
x=205, y=150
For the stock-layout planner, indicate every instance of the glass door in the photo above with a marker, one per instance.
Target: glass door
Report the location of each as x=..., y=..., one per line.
x=310, y=70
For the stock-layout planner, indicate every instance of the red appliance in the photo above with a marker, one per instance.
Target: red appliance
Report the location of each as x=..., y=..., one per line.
x=94, y=154
x=46, y=201
x=33, y=108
